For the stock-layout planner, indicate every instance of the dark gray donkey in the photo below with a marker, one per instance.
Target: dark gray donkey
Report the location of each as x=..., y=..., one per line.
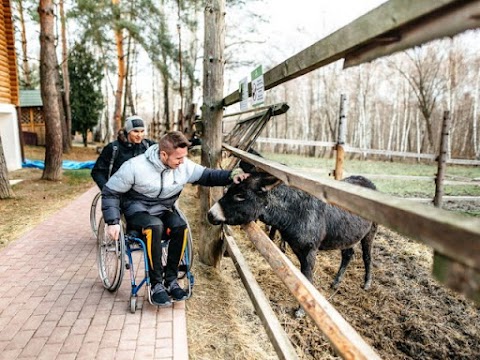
x=306, y=223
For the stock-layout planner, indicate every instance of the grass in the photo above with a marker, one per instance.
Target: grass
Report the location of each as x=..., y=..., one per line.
x=396, y=187
x=36, y=199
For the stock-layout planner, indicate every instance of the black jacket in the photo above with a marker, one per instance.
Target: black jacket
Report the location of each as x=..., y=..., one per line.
x=125, y=151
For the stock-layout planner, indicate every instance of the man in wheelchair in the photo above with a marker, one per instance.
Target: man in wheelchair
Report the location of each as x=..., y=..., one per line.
x=149, y=185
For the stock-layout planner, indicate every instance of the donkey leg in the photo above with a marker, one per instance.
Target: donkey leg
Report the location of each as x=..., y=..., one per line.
x=347, y=255
x=271, y=235
x=307, y=263
x=367, y=255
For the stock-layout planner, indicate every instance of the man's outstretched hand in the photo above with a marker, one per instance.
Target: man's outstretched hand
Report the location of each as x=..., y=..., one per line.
x=240, y=177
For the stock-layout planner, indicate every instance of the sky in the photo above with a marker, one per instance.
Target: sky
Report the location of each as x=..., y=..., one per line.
x=309, y=20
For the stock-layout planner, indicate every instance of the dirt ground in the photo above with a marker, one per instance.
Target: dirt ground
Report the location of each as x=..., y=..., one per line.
x=405, y=315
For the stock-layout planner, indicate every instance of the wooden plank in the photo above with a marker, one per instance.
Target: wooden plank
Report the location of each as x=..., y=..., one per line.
x=449, y=233
x=275, y=332
x=345, y=340
x=376, y=25
x=278, y=109
x=448, y=198
x=451, y=21
x=365, y=151
x=457, y=276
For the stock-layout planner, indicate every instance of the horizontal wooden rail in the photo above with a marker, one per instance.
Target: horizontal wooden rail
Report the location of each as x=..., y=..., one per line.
x=452, y=235
x=275, y=332
x=278, y=109
x=349, y=149
x=344, y=339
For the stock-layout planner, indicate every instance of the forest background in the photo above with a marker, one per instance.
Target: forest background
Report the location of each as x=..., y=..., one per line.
x=394, y=103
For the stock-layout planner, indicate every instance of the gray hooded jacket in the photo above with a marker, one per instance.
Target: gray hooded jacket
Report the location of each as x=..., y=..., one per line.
x=152, y=187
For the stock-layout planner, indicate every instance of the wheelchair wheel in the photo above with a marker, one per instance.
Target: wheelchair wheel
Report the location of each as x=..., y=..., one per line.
x=110, y=257
x=95, y=213
x=133, y=303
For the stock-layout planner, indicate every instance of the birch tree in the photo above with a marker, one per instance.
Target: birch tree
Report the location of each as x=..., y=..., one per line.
x=423, y=76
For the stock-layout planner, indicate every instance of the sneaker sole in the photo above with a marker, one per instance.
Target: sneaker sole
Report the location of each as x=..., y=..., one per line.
x=175, y=300
x=161, y=305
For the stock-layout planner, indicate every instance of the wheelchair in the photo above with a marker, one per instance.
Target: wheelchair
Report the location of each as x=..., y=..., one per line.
x=114, y=257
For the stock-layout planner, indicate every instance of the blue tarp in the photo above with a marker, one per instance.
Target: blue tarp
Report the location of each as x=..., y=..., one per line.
x=66, y=164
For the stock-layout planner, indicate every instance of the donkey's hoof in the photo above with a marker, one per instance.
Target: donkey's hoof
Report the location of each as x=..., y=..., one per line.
x=335, y=285
x=367, y=285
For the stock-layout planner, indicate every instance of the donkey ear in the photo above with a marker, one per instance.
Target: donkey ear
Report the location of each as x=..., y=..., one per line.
x=269, y=182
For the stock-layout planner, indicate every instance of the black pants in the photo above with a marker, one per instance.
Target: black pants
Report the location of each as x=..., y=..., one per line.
x=153, y=228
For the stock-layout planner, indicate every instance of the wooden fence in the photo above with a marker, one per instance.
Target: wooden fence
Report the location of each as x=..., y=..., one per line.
x=395, y=25
x=354, y=150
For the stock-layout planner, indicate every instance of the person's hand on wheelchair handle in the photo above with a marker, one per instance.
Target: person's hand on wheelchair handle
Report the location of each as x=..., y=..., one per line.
x=113, y=231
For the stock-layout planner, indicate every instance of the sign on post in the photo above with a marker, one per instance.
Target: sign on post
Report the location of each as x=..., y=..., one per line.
x=258, y=86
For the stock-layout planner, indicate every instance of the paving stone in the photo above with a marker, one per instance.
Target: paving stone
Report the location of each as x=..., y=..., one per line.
x=54, y=307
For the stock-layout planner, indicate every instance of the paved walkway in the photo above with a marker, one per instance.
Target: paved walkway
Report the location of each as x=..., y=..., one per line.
x=53, y=305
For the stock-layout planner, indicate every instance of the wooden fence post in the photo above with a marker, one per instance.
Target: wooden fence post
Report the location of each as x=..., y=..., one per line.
x=442, y=160
x=342, y=130
x=212, y=247
x=455, y=275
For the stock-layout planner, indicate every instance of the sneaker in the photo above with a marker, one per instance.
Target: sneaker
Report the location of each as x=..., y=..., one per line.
x=176, y=292
x=159, y=296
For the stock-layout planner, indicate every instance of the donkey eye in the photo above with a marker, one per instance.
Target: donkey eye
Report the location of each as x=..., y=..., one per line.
x=238, y=198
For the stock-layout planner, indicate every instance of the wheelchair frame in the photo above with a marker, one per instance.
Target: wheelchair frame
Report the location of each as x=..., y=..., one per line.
x=113, y=257
x=93, y=214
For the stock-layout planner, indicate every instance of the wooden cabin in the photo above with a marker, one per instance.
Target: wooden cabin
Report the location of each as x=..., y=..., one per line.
x=31, y=117
x=9, y=93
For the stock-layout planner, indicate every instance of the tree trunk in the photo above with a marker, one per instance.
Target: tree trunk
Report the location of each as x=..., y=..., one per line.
x=128, y=101
x=212, y=246
x=117, y=115
x=5, y=188
x=61, y=110
x=25, y=63
x=48, y=77
x=166, y=85
x=181, y=119
x=67, y=141
x=476, y=92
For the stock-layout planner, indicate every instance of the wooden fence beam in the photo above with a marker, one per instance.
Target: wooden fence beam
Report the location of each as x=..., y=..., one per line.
x=349, y=149
x=343, y=337
x=275, y=332
x=447, y=21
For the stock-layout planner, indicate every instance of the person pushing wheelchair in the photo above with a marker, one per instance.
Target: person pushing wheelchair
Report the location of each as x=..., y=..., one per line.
x=149, y=185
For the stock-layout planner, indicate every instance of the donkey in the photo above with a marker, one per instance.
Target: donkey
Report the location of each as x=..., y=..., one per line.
x=305, y=222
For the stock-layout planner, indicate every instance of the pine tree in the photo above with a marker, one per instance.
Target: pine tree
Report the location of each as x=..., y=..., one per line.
x=85, y=86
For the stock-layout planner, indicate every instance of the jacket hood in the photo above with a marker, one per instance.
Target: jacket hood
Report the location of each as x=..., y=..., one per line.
x=152, y=155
